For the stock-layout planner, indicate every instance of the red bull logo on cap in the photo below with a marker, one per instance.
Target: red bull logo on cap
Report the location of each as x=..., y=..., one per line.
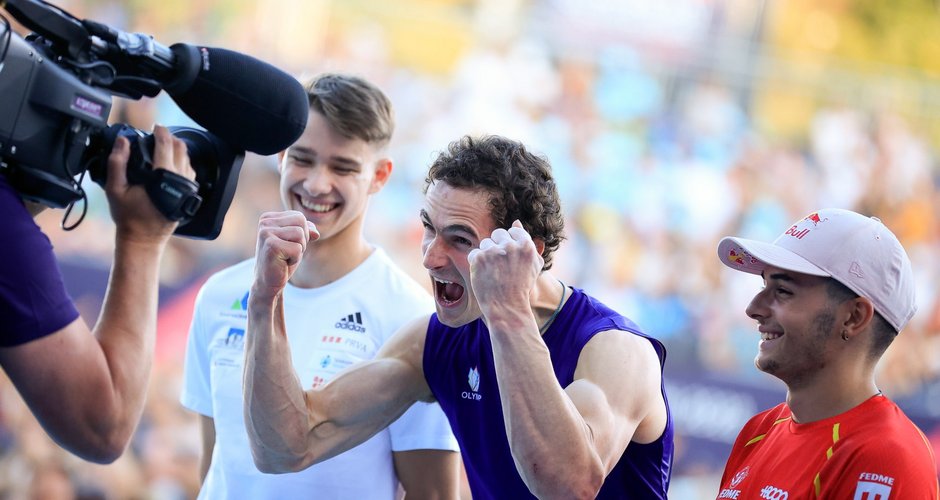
x=814, y=218
x=798, y=233
x=738, y=258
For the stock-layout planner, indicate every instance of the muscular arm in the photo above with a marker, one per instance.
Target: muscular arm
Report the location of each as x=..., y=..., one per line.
x=429, y=474
x=564, y=441
x=290, y=428
x=86, y=390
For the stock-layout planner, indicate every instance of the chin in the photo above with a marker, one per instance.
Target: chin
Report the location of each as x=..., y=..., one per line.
x=765, y=365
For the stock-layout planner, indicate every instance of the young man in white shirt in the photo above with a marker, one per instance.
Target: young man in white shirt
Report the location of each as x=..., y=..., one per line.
x=344, y=301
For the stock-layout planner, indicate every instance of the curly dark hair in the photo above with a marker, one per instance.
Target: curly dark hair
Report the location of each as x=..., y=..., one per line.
x=352, y=106
x=519, y=183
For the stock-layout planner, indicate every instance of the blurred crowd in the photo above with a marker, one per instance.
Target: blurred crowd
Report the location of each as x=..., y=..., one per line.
x=654, y=167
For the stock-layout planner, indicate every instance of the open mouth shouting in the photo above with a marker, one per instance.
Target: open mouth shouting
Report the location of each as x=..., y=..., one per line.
x=447, y=293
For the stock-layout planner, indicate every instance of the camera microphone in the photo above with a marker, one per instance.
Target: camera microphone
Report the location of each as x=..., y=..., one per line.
x=246, y=102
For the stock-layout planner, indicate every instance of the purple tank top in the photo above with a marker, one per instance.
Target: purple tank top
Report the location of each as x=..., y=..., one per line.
x=33, y=299
x=458, y=366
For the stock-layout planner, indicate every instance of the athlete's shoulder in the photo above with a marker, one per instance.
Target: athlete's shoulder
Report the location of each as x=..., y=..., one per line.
x=883, y=431
x=886, y=454
x=593, y=313
x=240, y=271
x=765, y=421
x=233, y=279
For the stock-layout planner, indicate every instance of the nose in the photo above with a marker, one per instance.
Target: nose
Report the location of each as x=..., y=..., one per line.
x=434, y=256
x=318, y=180
x=757, y=308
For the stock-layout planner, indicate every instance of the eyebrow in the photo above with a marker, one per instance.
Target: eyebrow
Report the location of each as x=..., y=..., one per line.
x=779, y=277
x=452, y=228
x=338, y=159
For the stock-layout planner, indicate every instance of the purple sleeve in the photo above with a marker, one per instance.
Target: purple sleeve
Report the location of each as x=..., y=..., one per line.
x=33, y=299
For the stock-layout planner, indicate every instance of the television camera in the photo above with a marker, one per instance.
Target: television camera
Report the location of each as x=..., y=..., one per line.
x=56, y=88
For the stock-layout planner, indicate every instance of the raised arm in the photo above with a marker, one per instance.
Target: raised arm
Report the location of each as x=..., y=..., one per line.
x=290, y=428
x=564, y=441
x=88, y=391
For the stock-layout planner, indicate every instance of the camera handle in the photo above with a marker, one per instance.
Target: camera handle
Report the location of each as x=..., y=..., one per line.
x=174, y=195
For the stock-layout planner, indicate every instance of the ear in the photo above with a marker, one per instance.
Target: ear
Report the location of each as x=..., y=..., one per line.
x=857, y=315
x=280, y=160
x=539, y=245
x=383, y=170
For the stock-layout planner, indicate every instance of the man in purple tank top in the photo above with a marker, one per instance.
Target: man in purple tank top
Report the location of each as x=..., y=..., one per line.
x=549, y=392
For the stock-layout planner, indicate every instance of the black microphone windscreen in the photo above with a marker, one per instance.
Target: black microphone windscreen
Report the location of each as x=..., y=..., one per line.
x=246, y=102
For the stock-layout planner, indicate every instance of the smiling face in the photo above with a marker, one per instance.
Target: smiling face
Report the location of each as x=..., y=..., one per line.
x=329, y=177
x=798, y=325
x=455, y=220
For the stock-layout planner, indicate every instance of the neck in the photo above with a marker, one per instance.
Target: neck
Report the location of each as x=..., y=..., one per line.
x=830, y=395
x=327, y=261
x=548, y=298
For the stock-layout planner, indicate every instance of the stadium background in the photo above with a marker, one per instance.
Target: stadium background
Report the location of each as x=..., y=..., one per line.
x=669, y=125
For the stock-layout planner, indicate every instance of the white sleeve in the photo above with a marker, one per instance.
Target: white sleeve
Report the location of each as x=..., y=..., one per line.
x=422, y=427
x=196, y=393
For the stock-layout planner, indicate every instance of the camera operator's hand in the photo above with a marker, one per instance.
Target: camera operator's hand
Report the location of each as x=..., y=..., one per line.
x=135, y=216
x=87, y=387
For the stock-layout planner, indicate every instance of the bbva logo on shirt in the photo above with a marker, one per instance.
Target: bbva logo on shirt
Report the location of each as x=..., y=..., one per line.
x=473, y=379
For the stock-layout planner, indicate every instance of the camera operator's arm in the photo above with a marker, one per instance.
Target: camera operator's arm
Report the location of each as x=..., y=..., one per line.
x=88, y=391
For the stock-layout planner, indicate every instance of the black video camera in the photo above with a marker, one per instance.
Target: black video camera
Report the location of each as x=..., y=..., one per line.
x=55, y=98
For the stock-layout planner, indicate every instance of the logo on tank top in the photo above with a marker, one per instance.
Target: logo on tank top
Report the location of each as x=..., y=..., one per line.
x=473, y=379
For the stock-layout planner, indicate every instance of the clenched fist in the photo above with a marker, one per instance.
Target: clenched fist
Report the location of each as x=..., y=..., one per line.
x=282, y=240
x=504, y=269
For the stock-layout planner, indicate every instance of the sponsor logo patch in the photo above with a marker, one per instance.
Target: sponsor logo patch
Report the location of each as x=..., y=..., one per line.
x=351, y=322
x=473, y=379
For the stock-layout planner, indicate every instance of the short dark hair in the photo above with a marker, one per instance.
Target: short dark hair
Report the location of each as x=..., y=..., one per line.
x=882, y=331
x=352, y=106
x=519, y=183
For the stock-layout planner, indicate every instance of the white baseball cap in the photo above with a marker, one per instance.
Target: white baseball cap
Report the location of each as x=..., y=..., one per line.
x=858, y=251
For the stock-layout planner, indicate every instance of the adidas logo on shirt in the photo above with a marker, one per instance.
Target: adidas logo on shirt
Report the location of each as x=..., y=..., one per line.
x=352, y=322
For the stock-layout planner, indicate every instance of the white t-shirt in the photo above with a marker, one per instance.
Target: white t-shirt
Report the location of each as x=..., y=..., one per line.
x=329, y=328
